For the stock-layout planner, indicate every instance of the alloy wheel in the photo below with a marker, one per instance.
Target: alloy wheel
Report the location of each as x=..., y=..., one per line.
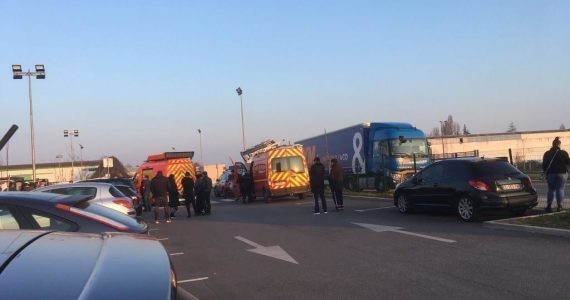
x=403, y=204
x=466, y=209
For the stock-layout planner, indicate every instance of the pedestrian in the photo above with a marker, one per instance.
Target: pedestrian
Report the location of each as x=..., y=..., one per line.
x=336, y=177
x=317, y=181
x=146, y=193
x=199, y=189
x=555, y=164
x=188, y=192
x=173, y=197
x=159, y=188
x=207, y=190
x=245, y=187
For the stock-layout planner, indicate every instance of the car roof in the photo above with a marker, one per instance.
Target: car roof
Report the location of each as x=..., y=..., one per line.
x=76, y=184
x=472, y=159
x=39, y=197
x=75, y=265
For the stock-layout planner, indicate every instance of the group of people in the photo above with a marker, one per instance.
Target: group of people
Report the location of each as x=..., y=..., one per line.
x=163, y=192
x=317, y=182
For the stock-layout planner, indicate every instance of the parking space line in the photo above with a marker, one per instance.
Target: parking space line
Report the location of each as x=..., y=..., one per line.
x=192, y=280
x=370, y=209
x=177, y=253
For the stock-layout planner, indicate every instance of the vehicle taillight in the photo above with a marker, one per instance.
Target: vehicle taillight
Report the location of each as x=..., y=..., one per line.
x=95, y=217
x=527, y=182
x=479, y=185
x=124, y=202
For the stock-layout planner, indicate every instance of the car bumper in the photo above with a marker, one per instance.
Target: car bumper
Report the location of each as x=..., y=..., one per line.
x=510, y=201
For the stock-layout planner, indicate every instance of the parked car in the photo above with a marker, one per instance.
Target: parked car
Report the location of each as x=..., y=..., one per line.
x=48, y=211
x=58, y=265
x=114, y=181
x=101, y=193
x=468, y=186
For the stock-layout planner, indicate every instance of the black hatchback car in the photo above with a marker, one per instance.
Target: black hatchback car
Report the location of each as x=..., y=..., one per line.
x=469, y=186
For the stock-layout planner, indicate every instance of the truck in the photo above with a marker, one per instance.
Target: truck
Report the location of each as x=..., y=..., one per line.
x=276, y=170
x=376, y=155
x=175, y=163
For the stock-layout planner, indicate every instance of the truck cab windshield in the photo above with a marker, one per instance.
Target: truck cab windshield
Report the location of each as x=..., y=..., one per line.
x=284, y=164
x=408, y=148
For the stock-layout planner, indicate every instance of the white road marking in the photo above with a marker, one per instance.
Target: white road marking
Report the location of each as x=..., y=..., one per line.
x=177, y=253
x=271, y=251
x=304, y=203
x=227, y=200
x=384, y=228
x=162, y=239
x=370, y=209
x=192, y=280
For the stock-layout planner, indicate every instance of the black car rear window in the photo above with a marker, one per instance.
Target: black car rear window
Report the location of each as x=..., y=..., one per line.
x=495, y=167
x=108, y=213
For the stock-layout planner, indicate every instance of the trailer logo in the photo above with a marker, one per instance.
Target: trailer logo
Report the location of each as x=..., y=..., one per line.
x=357, y=161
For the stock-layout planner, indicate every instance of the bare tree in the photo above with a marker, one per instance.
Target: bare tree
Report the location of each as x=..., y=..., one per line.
x=435, y=132
x=562, y=127
x=512, y=127
x=465, y=130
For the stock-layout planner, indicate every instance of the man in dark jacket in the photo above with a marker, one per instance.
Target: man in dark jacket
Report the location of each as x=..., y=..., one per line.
x=555, y=164
x=188, y=190
x=336, y=178
x=159, y=188
x=317, y=180
x=207, y=188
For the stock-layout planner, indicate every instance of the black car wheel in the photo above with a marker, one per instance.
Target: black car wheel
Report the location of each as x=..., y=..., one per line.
x=403, y=204
x=466, y=209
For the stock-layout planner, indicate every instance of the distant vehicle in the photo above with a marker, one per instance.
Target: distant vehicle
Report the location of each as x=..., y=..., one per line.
x=101, y=193
x=48, y=211
x=176, y=163
x=226, y=184
x=372, y=155
x=468, y=186
x=58, y=265
x=276, y=170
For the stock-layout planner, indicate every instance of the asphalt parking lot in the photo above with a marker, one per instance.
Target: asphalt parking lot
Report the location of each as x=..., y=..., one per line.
x=369, y=251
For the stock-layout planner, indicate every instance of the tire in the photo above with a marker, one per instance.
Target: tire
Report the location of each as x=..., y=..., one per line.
x=266, y=195
x=404, y=205
x=520, y=212
x=466, y=209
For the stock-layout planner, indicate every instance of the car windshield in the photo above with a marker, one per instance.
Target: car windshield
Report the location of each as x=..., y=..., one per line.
x=408, y=147
x=283, y=164
x=108, y=213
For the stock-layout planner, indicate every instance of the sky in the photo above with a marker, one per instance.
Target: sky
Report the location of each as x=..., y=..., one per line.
x=139, y=77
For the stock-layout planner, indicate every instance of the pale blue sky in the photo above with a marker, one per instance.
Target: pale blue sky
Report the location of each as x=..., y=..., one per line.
x=140, y=77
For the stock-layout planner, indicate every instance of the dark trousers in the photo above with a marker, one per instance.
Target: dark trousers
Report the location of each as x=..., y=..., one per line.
x=338, y=195
x=319, y=193
x=207, y=204
x=199, y=203
x=158, y=202
x=190, y=201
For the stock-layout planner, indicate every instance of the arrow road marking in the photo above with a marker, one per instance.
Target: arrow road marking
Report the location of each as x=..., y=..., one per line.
x=383, y=228
x=271, y=251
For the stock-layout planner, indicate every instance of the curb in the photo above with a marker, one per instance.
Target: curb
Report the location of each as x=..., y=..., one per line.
x=498, y=224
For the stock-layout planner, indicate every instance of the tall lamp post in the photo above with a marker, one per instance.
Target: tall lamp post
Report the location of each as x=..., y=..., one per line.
x=81, y=157
x=40, y=73
x=443, y=125
x=75, y=133
x=239, y=92
x=201, y=157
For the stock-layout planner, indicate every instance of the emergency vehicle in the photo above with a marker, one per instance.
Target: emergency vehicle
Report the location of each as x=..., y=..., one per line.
x=177, y=163
x=276, y=170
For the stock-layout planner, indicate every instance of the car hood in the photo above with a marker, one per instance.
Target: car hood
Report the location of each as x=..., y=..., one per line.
x=55, y=265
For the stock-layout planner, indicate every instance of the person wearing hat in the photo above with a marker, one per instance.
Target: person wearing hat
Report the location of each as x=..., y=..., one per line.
x=317, y=181
x=555, y=164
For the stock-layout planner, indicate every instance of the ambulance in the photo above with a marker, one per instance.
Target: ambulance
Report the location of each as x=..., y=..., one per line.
x=177, y=163
x=276, y=170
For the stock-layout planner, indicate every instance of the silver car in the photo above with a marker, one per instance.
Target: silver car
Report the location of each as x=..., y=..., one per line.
x=102, y=193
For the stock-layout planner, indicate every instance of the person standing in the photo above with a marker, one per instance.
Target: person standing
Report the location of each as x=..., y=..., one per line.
x=173, y=197
x=336, y=177
x=159, y=188
x=245, y=187
x=146, y=193
x=188, y=192
x=207, y=181
x=317, y=181
x=199, y=189
x=555, y=164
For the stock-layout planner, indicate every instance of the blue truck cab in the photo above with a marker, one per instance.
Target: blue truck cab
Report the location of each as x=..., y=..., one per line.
x=373, y=155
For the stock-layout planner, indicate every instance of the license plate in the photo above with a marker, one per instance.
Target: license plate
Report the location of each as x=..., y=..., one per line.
x=511, y=187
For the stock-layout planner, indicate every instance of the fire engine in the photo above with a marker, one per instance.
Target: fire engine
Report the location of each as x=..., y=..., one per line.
x=276, y=170
x=177, y=163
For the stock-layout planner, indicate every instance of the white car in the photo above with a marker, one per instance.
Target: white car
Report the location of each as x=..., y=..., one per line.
x=102, y=193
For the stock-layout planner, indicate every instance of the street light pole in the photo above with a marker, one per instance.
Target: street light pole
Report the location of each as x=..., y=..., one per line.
x=240, y=92
x=81, y=157
x=40, y=73
x=201, y=157
x=75, y=133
